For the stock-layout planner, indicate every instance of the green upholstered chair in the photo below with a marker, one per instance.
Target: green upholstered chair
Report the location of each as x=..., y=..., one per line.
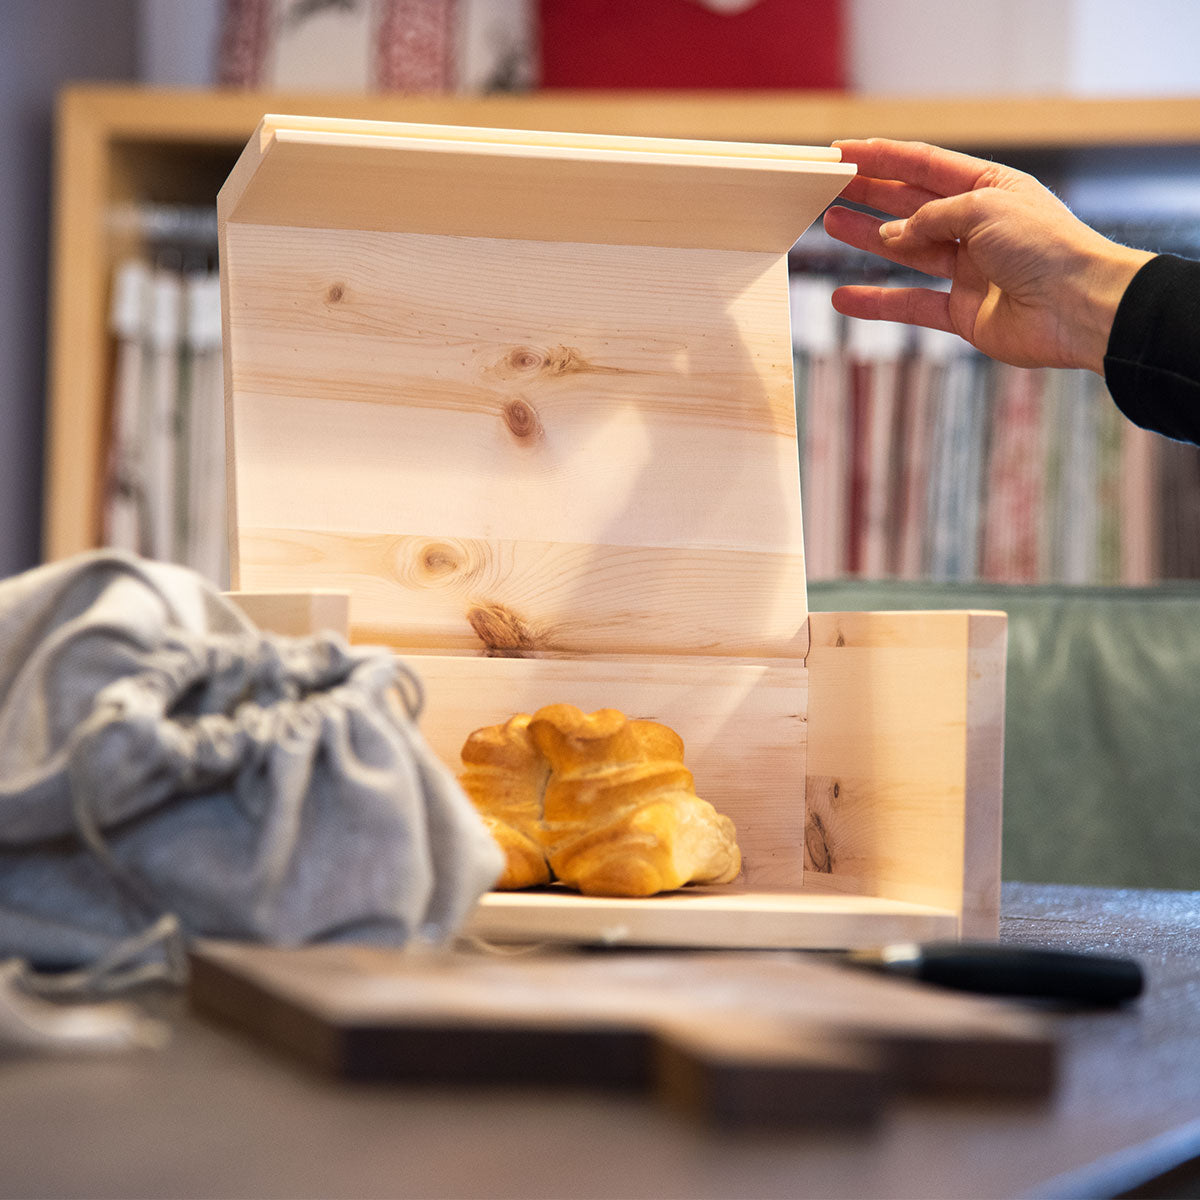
x=1102, y=724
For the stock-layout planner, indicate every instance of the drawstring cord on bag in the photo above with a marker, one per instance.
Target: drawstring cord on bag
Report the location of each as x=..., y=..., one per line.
x=411, y=690
x=128, y=963
x=122, y=967
x=31, y=1023
x=31, y=1017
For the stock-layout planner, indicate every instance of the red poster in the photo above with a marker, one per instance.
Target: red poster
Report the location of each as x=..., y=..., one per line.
x=691, y=44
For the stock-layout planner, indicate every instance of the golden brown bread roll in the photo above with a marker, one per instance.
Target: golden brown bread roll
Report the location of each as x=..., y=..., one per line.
x=599, y=802
x=505, y=775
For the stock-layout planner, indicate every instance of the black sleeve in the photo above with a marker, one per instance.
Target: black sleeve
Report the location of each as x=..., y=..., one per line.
x=1152, y=366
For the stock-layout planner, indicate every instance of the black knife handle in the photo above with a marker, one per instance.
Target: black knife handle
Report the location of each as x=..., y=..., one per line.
x=1030, y=971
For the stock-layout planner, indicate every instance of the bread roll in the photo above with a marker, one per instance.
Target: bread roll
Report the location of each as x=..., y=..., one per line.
x=505, y=776
x=598, y=802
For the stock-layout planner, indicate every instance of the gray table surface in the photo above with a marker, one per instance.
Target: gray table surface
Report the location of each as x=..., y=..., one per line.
x=216, y=1115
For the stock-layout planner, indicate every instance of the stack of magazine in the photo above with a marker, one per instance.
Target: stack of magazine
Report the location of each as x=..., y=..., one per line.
x=922, y=459
x=165, y=473
x=919, y=458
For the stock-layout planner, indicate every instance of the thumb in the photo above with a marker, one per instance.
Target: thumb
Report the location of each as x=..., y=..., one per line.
x=946, y=220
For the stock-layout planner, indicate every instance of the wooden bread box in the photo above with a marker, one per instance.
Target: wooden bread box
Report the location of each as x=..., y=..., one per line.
x=520, y=407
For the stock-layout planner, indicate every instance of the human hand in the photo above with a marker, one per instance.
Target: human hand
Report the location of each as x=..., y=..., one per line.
x=1030, y=283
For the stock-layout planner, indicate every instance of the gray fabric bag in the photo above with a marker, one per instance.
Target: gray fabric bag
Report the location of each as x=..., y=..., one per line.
x=159, y=755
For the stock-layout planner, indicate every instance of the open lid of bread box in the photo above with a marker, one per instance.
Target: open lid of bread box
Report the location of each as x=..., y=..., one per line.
x=528, y=399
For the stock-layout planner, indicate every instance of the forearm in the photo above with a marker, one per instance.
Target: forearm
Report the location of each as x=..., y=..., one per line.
x=1152, y=361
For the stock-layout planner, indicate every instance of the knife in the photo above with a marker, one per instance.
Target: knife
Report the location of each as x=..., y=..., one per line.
x=999, y=970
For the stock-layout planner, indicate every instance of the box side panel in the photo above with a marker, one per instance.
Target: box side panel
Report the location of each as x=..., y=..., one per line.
x=988, y=657
x=518, y=447
x=905, y=743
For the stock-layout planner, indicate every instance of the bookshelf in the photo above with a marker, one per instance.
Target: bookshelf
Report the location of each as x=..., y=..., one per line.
x=123, y=144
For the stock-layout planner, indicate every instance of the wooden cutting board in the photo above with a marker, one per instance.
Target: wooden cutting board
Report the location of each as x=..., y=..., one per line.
x=738, y=1038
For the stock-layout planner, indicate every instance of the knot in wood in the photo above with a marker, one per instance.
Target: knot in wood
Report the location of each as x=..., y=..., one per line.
x=503, y=633
x=818, y=855
x=335, y=292
x=438, y=560
x=566, y=360
x=529, y=361
x=525, y=358
x=522, y=420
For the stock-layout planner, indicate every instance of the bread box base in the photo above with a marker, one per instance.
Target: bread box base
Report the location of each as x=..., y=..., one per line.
x=528, y=398
x=898, y=825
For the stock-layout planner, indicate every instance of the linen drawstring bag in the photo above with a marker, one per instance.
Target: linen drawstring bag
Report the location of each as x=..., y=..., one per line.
x=159, y=755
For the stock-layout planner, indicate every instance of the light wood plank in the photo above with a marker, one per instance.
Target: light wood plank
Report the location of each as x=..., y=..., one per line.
x=622, y=396
x=76, y=433
x=540, y=138
x=333, y=174
x=519, y=598
x=983, y=798
x=769, y=920
x=905, y=761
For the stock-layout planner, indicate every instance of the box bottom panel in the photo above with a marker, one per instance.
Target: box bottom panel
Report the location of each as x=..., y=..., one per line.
x=708, y=918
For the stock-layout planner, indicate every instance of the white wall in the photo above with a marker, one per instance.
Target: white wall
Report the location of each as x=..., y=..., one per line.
x=1046, y=47
x=1151, y=47
x=947, y=47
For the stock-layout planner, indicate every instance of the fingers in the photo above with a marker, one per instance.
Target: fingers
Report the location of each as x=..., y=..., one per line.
x=929, y=168
x=886, y=195
x=911, y=306
x=861, y=230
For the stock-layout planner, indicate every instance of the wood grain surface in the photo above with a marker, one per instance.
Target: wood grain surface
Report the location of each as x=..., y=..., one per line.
x=604, y=396
x=587, y=427
x=296, y=613
x=905, y=758
x=330, y=174
x=487, y=596
x=790, y=1024
x=731, y=917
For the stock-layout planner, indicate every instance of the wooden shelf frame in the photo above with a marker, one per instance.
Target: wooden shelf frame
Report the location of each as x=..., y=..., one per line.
x=124, y=143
